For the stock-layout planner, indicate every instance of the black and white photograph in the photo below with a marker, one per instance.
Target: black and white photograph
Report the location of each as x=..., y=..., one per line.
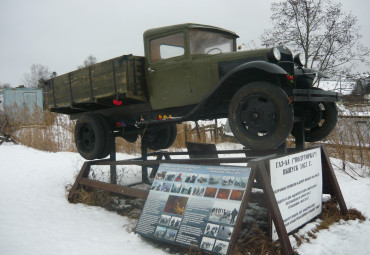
x=214, y=180
x=165, y=219
x=170, y=176
x=221, y=247
x=207, y=243
x=156, y=186
x=160, y=232
x=198, y=191
x=224, y=212
x=175, y=222
x=170, y=234
x=160, y=175
x=211, y=230
x=240, y=182
x=190, y=178
x=203, y=178
x=225, y=232
x=186, y=189
x=176, y=187
x=227, y=181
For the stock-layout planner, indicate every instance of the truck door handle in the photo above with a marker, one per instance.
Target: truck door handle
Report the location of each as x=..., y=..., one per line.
x=150, y=70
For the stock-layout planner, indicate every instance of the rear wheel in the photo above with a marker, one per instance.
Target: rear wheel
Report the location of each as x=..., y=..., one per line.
x=319, y=121
x=260, y=116
x=109, y=140
x=162, y=138
x=89, y=136
x=172, y=138
x=131, y=138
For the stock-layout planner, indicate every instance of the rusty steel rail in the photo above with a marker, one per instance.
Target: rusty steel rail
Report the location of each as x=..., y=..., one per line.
x=144, y=162
x=83, y=180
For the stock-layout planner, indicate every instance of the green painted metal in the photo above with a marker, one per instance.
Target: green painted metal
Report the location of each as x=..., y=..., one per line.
x=182, y=80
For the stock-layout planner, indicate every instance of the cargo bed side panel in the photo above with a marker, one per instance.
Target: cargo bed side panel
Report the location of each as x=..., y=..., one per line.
x=95, y=87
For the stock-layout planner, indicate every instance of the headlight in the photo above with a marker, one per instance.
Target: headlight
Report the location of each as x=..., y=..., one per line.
x=300, y=59
x=274, y=55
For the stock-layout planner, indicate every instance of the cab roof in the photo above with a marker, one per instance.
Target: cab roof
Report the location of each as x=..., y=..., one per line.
x=162, y=30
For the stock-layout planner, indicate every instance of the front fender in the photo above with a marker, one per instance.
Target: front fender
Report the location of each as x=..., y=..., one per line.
x=218, y=98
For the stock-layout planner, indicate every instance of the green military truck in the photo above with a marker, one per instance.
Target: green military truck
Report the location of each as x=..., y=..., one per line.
x=192, y=72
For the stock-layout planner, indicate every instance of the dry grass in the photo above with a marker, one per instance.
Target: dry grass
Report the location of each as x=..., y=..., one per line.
x=257, y=242
x=349, y=142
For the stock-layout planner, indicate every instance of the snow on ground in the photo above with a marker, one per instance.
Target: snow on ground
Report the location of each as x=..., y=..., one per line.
x=36, y=218
x=351, y=237
x=344, y=87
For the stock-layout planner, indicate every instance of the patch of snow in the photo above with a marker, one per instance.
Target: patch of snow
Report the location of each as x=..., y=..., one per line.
x=36, y=218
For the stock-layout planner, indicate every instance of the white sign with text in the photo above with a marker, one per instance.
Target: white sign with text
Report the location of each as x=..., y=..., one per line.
x=297, y=184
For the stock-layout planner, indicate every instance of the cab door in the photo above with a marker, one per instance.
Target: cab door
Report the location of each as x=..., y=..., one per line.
x=168, y=72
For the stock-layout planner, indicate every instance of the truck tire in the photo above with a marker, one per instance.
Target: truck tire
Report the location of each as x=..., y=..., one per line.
x=131, y=138
x=172, y=138
x=109, y=140
x=329, y=117
x=89, y=136
x=159, y=139
x=260, y=116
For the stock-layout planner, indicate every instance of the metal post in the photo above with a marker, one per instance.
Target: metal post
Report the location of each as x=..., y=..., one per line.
x=144, y=156
x=300, y=139
x=113, y=168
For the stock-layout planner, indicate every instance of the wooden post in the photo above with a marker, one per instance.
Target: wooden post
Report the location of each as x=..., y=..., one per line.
x=263, y=179
x=330, y=183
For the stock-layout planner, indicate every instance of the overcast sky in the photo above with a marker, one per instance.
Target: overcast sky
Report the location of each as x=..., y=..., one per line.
x=60, y=34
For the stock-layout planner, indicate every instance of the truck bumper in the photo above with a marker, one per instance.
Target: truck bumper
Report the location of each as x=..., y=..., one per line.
x=315, y=95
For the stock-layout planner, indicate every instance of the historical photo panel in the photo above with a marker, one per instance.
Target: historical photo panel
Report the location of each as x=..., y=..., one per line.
x=192, y=205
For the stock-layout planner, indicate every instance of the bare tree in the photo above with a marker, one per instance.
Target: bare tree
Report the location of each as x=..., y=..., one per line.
x=328, y=36
x=38, y=74
x=4, y=85
x=89, y=61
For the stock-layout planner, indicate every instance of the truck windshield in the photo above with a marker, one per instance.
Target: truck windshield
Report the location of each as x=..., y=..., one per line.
x=206, y=42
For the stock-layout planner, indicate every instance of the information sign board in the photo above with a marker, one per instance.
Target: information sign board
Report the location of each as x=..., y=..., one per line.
x=195, y=206
x=296, y=181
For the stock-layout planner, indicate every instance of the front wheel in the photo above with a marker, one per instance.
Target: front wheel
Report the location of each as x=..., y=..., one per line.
x=260, y=116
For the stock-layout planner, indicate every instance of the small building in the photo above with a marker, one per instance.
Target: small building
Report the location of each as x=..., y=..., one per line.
x=21, y=98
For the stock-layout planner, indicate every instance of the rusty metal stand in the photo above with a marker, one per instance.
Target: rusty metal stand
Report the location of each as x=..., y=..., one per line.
x=300, y=137
x=113, y=168
x=260, y=172
x=144, y=156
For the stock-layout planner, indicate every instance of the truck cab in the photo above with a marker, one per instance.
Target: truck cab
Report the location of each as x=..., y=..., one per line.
x=180, y=69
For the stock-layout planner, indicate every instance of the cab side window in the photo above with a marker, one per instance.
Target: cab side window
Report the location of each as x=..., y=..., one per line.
x=167, y=47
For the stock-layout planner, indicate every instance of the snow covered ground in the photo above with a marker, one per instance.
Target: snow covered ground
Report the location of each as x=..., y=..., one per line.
x=36, y=218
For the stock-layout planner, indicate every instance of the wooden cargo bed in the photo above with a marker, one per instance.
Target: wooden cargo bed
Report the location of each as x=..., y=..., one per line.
x=96, y=87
